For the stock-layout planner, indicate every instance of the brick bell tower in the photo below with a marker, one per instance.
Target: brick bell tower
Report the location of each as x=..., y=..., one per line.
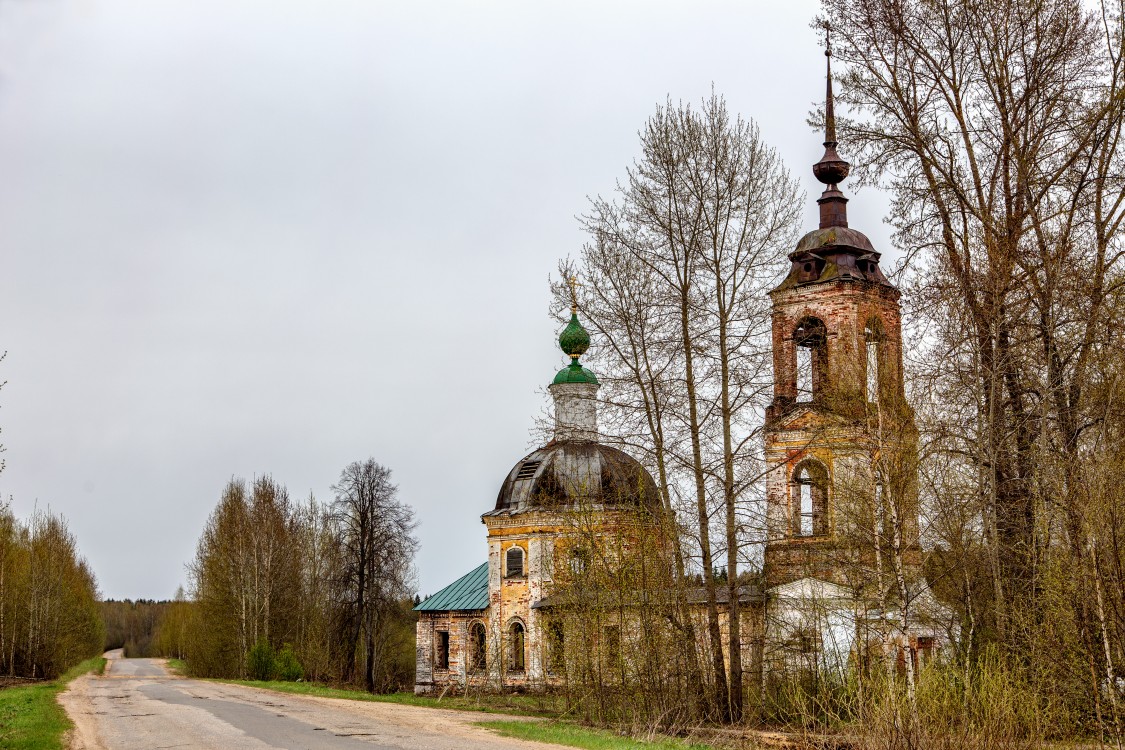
x=839, y=409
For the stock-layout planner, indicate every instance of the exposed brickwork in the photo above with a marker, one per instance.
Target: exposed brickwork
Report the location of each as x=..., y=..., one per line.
x=510, y=600
x=846, y=294
x=544, y=537
x=832, y=428
x=844, y=307
x=430, y=677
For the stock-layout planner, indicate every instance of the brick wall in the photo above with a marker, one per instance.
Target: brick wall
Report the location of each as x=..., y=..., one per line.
x=833, y=428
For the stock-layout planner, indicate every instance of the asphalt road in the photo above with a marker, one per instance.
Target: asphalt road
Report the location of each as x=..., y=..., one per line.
x=139, y=705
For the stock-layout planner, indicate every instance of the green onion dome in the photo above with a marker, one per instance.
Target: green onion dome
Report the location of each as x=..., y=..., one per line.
x=574, y=339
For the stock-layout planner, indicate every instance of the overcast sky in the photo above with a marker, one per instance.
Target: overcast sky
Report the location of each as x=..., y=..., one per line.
x=275, y=237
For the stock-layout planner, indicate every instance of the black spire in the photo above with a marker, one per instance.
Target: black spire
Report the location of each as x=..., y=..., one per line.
x=831, y=169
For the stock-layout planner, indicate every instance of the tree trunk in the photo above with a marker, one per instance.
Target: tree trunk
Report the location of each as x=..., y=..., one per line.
x=715, y=637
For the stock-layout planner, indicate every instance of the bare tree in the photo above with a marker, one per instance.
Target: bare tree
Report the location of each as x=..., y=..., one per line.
x=301, y=591
x=675, y=277
x=377, y=548
x=997, y=126
x=49, y=617
x=319, y=569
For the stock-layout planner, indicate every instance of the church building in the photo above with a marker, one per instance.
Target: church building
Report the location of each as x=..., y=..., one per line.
x=842, y=576
x=487, y=628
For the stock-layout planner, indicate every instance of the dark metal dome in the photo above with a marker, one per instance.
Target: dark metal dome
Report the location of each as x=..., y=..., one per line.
x=833, y=253
x=832, y=238
x=568, y=474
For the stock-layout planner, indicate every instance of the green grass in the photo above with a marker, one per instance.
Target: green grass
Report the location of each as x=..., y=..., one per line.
x=516, y=705
x=177, y=666
x=561, y=733
x=31, y=718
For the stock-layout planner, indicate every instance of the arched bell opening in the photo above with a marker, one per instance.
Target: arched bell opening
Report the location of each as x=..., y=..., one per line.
x=875, y=360
x=810, y=338
x=808, y=498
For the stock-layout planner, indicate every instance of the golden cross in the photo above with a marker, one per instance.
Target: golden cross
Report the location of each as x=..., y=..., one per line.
x=572, y=282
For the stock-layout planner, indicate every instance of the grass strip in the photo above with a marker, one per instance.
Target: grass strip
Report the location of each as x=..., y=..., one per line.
x=572, y=735
x=515, y=705
x=31, y=718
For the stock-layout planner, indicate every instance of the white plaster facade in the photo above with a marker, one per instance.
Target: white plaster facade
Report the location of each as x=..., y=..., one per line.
x=576, y=410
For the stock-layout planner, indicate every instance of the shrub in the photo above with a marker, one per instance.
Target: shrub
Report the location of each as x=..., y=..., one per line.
x=286, y=666
x=260, y=661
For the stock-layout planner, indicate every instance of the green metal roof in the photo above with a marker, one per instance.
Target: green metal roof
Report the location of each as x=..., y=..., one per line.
x=575, y=373
x=469, y=592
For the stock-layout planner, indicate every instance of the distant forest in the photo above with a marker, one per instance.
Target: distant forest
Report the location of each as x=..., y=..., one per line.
x=144, y=628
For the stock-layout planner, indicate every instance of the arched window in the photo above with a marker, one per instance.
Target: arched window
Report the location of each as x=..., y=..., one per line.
x=809, y=500
x=516, y=647
x=478, y=647
x=513, y=562
x=811, y=340
x=873, y=339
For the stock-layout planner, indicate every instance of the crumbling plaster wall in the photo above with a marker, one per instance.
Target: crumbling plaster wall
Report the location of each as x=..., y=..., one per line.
x=511, y=598
x=831, y=428
x=429, y=677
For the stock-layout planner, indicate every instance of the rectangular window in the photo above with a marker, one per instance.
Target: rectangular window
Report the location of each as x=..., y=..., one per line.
x=611, y=644
x=441, y=655
x=923, y=652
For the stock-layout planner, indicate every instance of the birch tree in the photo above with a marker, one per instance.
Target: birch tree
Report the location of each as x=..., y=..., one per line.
x=244, y=577
x=49, y=618
x=676, y=274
